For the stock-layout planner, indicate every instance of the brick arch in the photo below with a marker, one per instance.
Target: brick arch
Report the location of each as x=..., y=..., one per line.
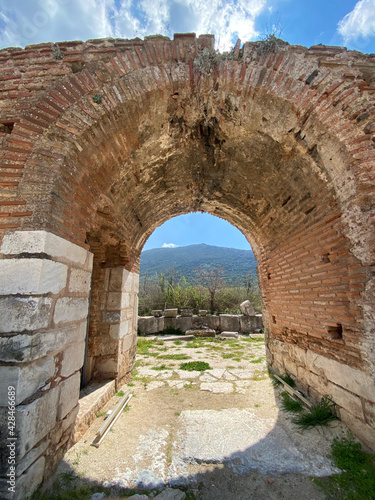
x=280, y=144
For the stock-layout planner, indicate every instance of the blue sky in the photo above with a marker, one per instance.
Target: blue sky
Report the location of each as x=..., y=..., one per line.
x=303, y=22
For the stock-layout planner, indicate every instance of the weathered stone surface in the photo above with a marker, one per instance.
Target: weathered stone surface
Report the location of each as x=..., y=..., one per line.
x=30, y=480
x=24, y=313
x=42, y=242
x=148, y=325
x=228, y=335
x=247, y=308
x=80, y=281
x=26, y=379
x=70, y=309
x=204, y=332
x=361, y=429
x=229, y=322
x=31, y=457
x=29, y=347
x=202, y=312
x=249, y=324
x=342, y=375
x=119, y=330
x=69, y=394
x=35, y=420
x=31, y=276
x=72, y=359
x=170, y=313
x=171, y=494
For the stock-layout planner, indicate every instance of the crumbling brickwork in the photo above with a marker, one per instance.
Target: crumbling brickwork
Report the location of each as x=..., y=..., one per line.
x=105, y=143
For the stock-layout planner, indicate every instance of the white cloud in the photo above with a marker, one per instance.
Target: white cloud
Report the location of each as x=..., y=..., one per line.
x=360, y=22
x=35, y=21
x=169, y=245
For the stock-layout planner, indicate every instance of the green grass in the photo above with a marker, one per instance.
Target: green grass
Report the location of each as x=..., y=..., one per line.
x=101, y=414
x=321, y=413
x=357, y=480
x=286, y=377
x=161, y=367
x=259, y=360
x=178, y=357
x=289, y=404
x=177, y=342
x=227, y=355
x=195, y=366
x=120, y=394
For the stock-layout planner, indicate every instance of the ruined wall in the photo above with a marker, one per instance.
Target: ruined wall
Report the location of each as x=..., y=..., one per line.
x=104, y=141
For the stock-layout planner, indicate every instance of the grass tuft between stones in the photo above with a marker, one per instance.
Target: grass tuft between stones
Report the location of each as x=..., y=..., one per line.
x=191, y=366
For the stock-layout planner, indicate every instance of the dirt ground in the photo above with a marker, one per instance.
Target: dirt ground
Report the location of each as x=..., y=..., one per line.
x=216, y=434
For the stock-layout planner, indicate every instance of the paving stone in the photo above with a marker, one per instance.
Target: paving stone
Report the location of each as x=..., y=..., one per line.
x=163, y=374
x=184, y=374
x=176, y=384
x=217, y=387
x=229, y=376
x=242, y=374
x=171, y=494
x=216, y=372
x=154, y=385
x=206, y=377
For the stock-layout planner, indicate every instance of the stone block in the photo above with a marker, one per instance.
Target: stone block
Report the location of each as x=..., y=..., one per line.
x=31, y=276
x=117, y=301
x=31, y=456
x=80, y=281
x=25, y=347
x=69, y=395
x=352, y=379
x=111, y=316
x=228, y=335
x=26, y=379
x=35, y=420
x=346, y=400
x=229, y=322
x=119, y=330
x=30, y=480
x=148, y=325
x=24, y=313
x=184, y=323
x=170, y=323
x=106, y=366
x=70, y=309
x=170, y=313
x=72, y=359
x=247, y=308
x=247, y=324
x=204, y=332
x=116, y=277
x=202, y=312
x=212, y=322
x=362, y=430
x=43, y=242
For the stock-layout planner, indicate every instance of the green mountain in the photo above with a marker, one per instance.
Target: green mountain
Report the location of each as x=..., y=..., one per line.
x=184, y=260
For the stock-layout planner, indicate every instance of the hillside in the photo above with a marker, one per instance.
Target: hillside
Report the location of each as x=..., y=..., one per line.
x=236, y=263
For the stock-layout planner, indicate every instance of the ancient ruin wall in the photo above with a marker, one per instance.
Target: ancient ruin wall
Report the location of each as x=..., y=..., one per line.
x=104, y=141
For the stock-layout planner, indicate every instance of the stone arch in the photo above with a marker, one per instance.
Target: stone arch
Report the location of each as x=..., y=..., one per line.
x=120, y=136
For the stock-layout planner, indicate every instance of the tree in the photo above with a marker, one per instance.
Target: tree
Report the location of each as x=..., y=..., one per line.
x=212, y=279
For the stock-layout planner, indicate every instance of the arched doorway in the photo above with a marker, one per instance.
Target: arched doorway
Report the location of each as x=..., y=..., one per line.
x=279, y=144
